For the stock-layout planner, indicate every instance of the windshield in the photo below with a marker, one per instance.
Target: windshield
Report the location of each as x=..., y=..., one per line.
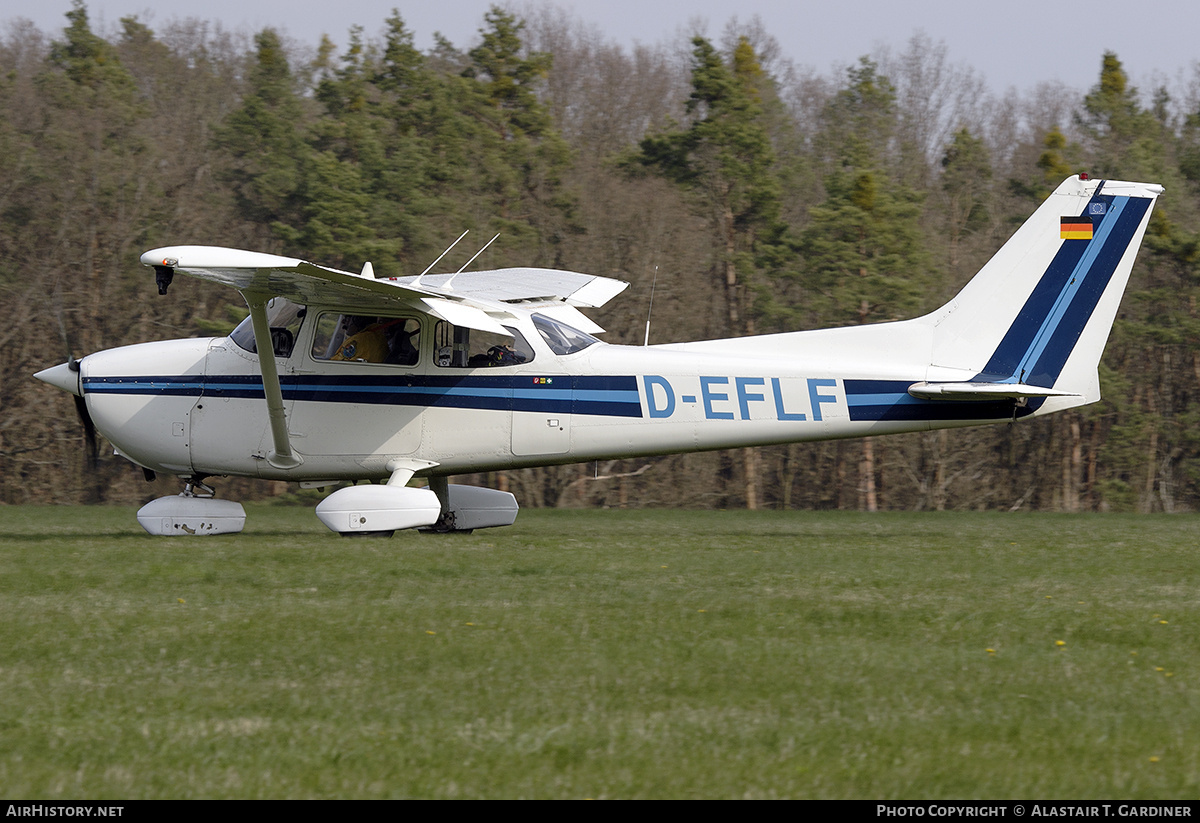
x=561, y=338
x=284, y=317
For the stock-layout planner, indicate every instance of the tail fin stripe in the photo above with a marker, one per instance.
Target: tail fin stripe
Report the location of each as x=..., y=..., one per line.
x=1045, y=331
x=1006, y=359
x=1087, y=273
x=1044, y=364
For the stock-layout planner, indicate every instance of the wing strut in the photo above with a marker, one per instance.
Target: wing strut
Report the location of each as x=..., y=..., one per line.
x=281, y=456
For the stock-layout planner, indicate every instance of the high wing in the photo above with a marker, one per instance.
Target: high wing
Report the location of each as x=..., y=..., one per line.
x=478, y=300
x=475, y=299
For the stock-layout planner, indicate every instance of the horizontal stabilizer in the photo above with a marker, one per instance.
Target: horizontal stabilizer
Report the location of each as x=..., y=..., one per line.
x=982, y=391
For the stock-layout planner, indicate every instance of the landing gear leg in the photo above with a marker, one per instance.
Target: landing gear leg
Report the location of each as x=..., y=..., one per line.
x=446, y=521
x=196, y=487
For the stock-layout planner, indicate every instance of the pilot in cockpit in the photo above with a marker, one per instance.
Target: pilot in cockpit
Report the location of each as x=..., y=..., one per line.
x=400, y=336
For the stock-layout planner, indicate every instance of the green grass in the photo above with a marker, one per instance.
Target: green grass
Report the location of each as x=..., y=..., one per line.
x=603, y=654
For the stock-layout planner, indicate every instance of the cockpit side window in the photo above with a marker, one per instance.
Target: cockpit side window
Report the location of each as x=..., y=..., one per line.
x=561, y=338
x=460, y=347
x=361, y=338
x=284, y=317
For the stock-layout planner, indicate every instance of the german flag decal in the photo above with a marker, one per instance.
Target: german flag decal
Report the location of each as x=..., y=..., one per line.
x=1075, y=228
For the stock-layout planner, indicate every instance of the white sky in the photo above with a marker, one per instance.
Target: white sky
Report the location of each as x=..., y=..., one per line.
x=1016, y=43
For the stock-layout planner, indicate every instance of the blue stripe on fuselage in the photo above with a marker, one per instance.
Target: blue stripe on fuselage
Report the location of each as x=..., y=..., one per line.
x=890, y=400
x=586, y=395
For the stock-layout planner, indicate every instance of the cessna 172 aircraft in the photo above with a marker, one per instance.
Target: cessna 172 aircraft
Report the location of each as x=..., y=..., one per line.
x=435, y=375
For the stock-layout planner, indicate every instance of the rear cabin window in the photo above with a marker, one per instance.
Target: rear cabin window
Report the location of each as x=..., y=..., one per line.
x=367, y=338
x=459, y=347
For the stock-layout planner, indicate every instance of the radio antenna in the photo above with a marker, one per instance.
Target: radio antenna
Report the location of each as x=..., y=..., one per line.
x=417, y=282
x=472, y=260
x=653, y=283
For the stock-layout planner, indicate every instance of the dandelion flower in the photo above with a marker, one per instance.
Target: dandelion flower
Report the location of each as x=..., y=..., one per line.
x=1060, y=642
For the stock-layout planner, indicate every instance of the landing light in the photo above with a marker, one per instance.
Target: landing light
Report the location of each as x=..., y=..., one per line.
x=164, y=274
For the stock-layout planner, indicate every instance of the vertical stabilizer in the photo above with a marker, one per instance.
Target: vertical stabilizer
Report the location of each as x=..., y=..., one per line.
x=1039, y=313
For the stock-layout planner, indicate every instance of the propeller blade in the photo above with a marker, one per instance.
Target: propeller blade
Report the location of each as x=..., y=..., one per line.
x=89, y=432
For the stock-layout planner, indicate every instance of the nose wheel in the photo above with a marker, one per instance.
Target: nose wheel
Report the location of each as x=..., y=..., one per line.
x=194, y=511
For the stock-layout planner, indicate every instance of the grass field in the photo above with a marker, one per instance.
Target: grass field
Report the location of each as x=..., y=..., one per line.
x=603, y=654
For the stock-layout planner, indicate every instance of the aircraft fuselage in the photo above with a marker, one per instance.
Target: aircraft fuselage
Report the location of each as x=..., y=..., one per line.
x=196, y=406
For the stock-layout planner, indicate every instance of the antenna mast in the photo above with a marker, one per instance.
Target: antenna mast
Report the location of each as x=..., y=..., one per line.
x=653, y=283
x=417, y=282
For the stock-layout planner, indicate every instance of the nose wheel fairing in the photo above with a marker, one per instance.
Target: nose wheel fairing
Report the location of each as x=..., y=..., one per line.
x=194, y=512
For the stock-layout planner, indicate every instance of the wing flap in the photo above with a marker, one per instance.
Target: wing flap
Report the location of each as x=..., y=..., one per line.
x=523, y=285
x=460, y=314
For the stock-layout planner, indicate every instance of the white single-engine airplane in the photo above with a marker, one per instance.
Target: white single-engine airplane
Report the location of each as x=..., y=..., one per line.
x=436, y=375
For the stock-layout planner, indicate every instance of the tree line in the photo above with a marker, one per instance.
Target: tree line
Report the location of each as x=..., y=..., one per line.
x=750, y=194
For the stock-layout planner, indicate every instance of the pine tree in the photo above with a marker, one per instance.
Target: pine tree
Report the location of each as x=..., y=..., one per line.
x=519, y=157
x=263, y=139
x=864, y=256
x=1123, y=136
x=966, y=192
x=724, y=158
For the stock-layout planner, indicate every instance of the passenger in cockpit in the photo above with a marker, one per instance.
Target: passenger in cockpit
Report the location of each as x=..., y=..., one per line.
x=365, y=341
